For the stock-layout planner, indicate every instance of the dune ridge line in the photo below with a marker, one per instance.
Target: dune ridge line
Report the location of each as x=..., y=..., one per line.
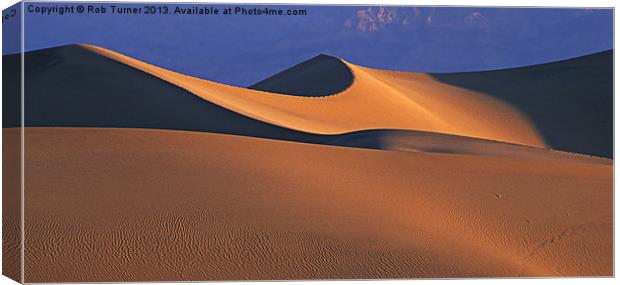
x=375, y=100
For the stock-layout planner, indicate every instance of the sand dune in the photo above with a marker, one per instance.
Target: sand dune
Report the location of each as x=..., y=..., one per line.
x=567, y=100
x=327, y=170
x=171, y=205
x=375, y=100
x=322, y=75
x=417, y=141
x=372, y=100
x=11, y=204
x=70, y=86
x=107, y=93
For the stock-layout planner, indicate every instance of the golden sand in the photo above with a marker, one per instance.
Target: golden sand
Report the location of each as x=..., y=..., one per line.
x=139, y=205
x=375, y=100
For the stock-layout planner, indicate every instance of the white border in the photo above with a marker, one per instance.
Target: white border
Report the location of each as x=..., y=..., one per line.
x=504, y=3
x=22, y=169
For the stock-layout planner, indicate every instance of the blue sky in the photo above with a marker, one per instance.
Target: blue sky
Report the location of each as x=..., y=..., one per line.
x=241, y=50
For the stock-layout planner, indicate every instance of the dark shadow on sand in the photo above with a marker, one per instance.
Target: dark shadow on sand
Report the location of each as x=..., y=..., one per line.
x=322, y=75
x=70, y=86
x=569, y=101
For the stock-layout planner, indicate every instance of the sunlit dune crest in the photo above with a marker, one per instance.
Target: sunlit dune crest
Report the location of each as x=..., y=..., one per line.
x=375, y=99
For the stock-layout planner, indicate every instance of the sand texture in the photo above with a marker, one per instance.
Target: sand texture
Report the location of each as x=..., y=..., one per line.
x=326, y=170
x=130, y=204
x=11, y=204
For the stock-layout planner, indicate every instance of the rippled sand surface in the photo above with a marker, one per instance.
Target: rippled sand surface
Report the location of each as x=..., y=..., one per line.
x=131, y=204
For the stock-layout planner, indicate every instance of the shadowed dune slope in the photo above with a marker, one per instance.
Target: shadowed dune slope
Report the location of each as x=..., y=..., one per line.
x=170, y=205
x=320, y=76
x=72, y=87
x=416, y=141
x=375, y=100
x=117, y=91
x=570, y=102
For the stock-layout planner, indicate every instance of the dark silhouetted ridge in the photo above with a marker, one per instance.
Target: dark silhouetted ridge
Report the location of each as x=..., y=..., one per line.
x=569, y=101
x=70, y=86
x=322, y=75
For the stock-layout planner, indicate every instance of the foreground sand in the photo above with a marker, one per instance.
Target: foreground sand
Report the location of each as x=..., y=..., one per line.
x=131, y=204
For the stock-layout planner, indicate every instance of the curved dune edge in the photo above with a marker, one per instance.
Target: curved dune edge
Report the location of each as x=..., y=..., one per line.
x=375, y=100
x=320, y=76
x=428, y=142
x=177, y=205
